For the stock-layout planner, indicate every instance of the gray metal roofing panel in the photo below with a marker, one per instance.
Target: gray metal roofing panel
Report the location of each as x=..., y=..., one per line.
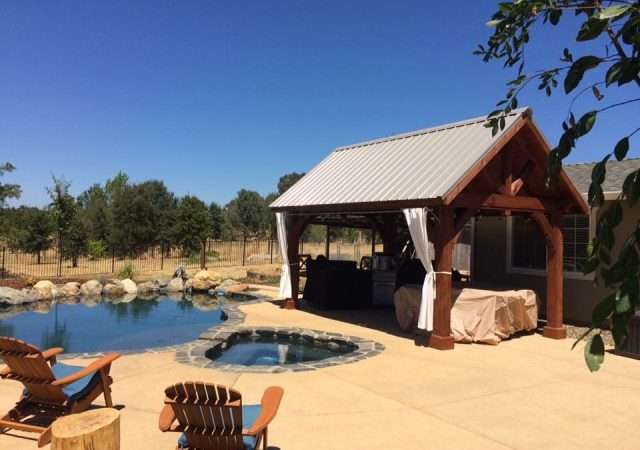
x=423, y=164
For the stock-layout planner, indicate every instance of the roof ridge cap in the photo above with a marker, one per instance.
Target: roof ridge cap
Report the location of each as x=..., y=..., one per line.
x=520, y=111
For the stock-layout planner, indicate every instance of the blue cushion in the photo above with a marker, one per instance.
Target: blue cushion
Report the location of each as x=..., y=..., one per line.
x=77, y=389
x=250, y=414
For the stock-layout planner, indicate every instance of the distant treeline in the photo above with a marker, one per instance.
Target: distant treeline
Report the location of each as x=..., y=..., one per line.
x=126, y=219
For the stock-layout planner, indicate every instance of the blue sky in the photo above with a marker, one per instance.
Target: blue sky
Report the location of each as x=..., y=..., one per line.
x=215, y=96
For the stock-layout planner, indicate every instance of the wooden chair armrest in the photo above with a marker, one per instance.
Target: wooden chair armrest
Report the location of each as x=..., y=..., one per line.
x=50, y=354
x=270, y=404
x=91, y=368
x=167, y=417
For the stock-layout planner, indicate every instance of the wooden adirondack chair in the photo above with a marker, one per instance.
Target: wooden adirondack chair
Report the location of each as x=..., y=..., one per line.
x=51, y=390
x=212, y=417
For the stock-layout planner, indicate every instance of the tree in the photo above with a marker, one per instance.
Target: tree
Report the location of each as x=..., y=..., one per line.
x=37, y=235
x=248, y=213
x=144, y=214
x=616, y=28
x=288, y=180
x=8, y=190
x=95, y=213
x=69, y=230
x=192, y=225
x=215, y=215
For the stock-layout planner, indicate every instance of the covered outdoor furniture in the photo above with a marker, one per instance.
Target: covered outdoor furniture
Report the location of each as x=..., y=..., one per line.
x=337, y=285
x=212, y=416
x=51, y=390
x=477, y=315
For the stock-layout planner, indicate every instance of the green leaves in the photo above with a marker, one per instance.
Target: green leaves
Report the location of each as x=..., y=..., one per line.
x=613, y=11
x=621, y=149
x=591, y=29
x=604, y=309
x=586, y=123
x=577, y=70
x=623, y=71
x=594, y=352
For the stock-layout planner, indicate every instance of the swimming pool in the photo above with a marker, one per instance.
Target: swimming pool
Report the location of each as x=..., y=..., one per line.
x=99, y=326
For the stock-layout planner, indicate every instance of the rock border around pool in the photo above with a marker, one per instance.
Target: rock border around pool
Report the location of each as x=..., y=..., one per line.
x=196, y=355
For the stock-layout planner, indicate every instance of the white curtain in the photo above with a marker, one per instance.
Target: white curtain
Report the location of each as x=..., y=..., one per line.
x=417, y=222
x=285, y=276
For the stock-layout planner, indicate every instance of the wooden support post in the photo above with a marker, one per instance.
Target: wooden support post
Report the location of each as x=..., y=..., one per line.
x=388, y=234
x=327, y=242
x=554, y=328
x=97, y=429
x=295, y=229
x=441, y=338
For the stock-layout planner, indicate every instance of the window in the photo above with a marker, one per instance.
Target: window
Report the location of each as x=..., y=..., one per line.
x=528, y=250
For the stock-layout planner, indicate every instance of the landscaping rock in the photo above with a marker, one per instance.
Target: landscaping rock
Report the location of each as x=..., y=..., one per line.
x=91, y=288
x=130, y=286
x=113, y=290
x=10, y=296
x=148, y=287
x=204, y=280
x=128, y=298
x=187, y=286
x=230, y=287
x=70, y=289
x=44, y=290
x=175, y=285
x=162, y=282
x=174, y=296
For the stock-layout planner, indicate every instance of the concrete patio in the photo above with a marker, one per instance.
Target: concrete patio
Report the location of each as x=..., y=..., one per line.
x=526, y=393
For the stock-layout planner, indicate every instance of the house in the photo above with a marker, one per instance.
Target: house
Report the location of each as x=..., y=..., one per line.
x=517, y=251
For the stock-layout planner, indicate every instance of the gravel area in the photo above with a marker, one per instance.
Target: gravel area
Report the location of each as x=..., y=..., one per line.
x=574, y=332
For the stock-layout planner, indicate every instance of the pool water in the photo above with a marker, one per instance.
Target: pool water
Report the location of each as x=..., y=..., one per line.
x=106, y=326
x=272, y=351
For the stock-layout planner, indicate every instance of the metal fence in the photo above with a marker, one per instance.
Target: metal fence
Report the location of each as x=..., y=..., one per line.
x=51, y=264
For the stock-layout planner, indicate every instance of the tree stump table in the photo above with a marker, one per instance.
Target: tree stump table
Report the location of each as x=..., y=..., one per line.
x=97, y=429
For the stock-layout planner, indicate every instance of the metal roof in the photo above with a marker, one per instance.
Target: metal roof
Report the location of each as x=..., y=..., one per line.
x=617, y=171
x=424, y=164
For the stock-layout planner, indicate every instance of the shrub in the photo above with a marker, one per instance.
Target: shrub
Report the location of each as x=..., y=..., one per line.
x=96, y=249
x=211, y=255
x=127, y=271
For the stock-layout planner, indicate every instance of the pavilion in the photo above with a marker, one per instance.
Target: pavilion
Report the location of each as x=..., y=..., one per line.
x=452, y=173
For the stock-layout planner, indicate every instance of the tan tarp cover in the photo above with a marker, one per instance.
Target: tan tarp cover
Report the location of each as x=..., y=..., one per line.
x=477, y=315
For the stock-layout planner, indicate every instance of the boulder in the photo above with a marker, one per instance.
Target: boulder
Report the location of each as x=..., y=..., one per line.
x=44, y=290
x=148, y=287
x=127, y=298
x=204, y=280
x=10, y=296
x=70, y=289
x=162, y=282
x=175, y=285
x=235, y=289
x=113, y=290
x=91, y=288
x=130, y=287
x=187, y=286
x=175, y=296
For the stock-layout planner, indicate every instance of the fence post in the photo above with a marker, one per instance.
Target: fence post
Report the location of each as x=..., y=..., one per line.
x=203, y=254
x=162, y=256
x=4, y=249
x=59, y=262
x=271, y=249
x=244, y=247
x=113, y=259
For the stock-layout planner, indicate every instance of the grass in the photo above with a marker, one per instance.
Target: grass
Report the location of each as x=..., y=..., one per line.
x=211, y=255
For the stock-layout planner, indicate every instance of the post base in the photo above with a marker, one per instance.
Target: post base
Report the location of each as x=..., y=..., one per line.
x=289, y=303
x=554, y=333
x=441, y=342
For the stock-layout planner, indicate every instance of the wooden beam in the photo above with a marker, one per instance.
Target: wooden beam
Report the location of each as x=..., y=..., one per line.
x=500, y=202
x=554, y=328
x=294, y=231
x=518, y=183
x=544, y=226
x=462, y=217
x=488, y=157
x=506, y=173
x=440, y=337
